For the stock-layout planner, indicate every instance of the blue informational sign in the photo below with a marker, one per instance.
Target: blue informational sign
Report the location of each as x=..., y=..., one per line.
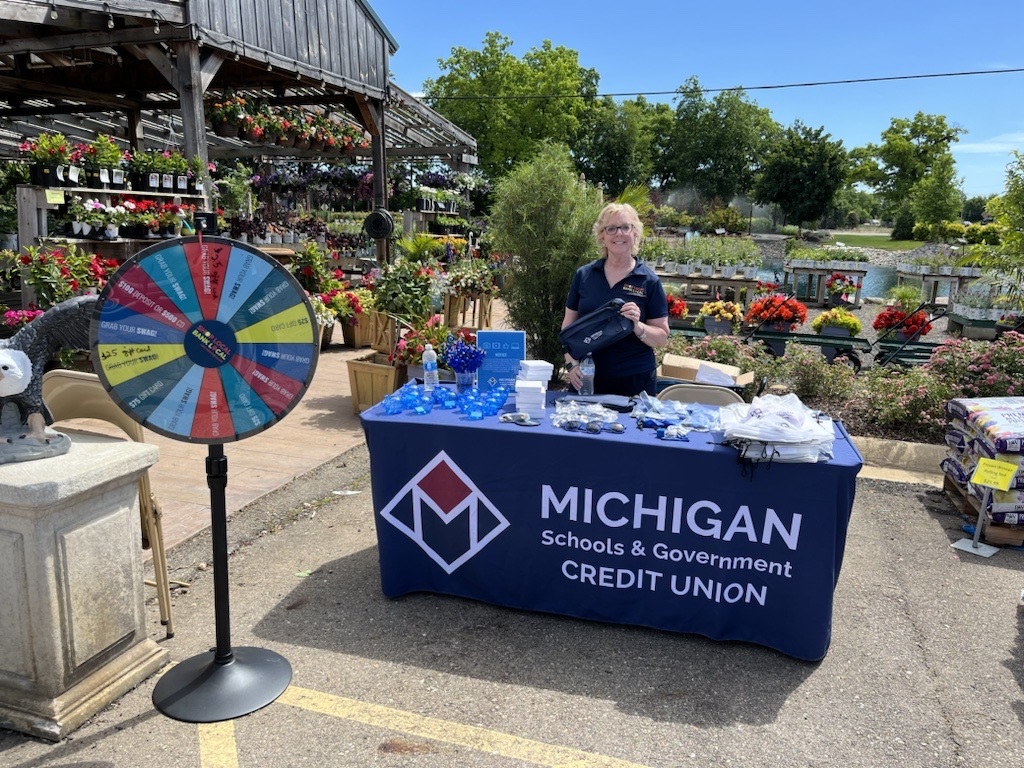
x=505, y=350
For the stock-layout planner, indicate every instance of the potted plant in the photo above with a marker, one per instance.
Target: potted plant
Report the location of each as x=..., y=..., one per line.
x=677, y=307
x=719, y=318
x=777, y=312
x=841, y=289
x=357, y=332
x=48, y=153
x=895, y=322
x=464, y=358
x=57, y=274
x=408, y=350
x=226, y=115
x=836, y=322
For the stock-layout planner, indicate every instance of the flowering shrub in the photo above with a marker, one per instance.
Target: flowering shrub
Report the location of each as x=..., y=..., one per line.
x=838, y=283
x=762, y=288
x=981, y=368
x=838, y=317
x=342, y=303
x=231, y=110
x=57, y=274
x=16, y=318
x=897, y=402
x=471, y=278
x=404, y=288
x=914, y=325
x=409, y=349
x=676, y=306
x=777, y=308
x=728, y=311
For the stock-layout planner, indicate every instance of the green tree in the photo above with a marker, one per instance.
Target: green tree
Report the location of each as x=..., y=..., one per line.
x=1005, y=262
x=908, y=152
x=852, y=205
x=937, y=197
x=512, y=104
x=543, y=217
x=620, y=142
x=801, y=172
x=974, y=207
x=714, y=145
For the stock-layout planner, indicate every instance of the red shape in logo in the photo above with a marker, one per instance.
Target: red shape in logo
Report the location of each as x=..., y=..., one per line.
x=444, y=488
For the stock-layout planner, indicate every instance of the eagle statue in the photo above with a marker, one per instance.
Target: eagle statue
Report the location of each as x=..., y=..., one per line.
x=23, y=359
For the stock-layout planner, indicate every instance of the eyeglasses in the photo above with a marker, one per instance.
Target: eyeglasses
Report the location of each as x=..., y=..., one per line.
x=623, y=228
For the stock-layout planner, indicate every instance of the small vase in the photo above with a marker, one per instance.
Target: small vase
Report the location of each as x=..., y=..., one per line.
x=465, y=381
x=112, y=231
x=86, y=228
x=76, y=227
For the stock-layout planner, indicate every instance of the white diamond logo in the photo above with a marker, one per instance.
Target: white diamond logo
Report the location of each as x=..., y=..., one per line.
x=444, y=512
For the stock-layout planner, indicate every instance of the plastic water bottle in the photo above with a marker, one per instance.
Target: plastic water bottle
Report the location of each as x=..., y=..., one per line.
x=587, y=370
x=430, y=378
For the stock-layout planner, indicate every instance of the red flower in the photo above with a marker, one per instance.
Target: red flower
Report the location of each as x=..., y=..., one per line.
x=777, y=308
x=676, y=306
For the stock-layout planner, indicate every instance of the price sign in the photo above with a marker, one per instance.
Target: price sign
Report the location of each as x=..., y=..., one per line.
x=994, y=474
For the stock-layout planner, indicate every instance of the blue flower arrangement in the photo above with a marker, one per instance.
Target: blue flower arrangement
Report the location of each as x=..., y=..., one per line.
x=462, y=356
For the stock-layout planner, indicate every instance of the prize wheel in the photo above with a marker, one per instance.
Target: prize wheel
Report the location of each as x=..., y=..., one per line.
x=204, y=339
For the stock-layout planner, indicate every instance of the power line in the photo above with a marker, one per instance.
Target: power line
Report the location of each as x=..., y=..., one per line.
x=813, y=84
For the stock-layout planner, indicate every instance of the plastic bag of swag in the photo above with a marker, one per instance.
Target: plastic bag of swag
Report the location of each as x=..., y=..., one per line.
x=785, y=453
x=781, y=429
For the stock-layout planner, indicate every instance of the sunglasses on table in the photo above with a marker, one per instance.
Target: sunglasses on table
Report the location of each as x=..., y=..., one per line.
x=623, y=228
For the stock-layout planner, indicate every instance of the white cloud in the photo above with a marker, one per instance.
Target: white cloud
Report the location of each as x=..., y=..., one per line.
x=1002, y=144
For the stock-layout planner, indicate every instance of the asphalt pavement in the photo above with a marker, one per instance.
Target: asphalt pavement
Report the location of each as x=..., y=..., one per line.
x=925, y=669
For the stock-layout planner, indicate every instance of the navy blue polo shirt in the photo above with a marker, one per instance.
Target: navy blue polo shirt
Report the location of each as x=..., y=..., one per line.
x=590, y=290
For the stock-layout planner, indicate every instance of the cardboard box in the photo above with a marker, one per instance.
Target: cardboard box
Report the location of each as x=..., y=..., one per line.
x=686, y=368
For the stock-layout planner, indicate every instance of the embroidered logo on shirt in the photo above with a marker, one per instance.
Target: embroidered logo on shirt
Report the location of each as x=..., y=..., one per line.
x=442, y=510
x=634, y=290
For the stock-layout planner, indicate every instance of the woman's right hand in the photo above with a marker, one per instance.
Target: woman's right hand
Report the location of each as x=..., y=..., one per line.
x=575, y=377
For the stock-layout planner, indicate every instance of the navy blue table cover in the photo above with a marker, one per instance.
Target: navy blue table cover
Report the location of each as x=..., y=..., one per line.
x=620, y=528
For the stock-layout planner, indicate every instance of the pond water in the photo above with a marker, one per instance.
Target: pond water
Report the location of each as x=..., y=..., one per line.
x=877, y=281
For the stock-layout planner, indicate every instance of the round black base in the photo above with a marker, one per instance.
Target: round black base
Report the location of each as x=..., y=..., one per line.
x=199, y=690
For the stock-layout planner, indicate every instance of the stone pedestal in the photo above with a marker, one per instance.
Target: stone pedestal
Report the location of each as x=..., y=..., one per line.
x=72, y=629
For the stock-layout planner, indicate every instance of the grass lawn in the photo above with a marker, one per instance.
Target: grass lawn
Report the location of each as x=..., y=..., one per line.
x=881, y=242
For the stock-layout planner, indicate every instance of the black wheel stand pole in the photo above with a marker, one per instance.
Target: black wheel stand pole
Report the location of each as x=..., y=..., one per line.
x=224, y=683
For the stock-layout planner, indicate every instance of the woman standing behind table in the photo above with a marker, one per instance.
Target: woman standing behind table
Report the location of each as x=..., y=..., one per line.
x=628, y=366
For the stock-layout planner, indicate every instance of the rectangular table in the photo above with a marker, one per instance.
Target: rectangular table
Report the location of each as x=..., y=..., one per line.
x=622, y=528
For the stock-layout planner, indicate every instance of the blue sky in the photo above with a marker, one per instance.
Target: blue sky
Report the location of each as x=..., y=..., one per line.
x=653, y=46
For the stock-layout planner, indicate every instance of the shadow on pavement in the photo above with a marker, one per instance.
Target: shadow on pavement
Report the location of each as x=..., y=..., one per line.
x=664, y=676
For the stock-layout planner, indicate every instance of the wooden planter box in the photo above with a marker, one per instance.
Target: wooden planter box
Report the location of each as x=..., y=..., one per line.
x=462, y=312
x=382, y=330
x=372, y=377
x=360, y=334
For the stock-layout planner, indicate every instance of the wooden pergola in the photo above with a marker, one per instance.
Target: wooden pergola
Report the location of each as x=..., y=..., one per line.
x=140, y=72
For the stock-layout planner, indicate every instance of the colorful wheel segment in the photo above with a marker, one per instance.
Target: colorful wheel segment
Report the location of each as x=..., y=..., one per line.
x=205, y=340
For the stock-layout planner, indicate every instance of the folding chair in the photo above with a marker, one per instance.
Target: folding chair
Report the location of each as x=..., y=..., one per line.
x=78, y=395
x=707, y=394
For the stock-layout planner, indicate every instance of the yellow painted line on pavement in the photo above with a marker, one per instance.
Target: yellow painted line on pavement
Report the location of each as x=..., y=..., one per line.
x=471, y=736
x=217, y=745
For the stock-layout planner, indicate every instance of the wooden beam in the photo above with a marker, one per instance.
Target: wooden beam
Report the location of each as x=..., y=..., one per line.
x=37, y=89
x=89, y=40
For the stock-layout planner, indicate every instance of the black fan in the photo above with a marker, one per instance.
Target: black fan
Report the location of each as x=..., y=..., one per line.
x=379, y=224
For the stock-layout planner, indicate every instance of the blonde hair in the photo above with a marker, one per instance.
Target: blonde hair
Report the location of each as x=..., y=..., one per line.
x=631, y=215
